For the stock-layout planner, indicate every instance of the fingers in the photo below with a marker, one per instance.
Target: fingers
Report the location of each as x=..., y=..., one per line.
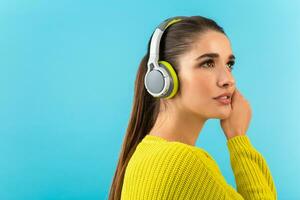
x=236, y=95
x=240, y=94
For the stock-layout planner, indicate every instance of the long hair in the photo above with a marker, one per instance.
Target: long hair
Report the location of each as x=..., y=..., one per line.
x=176, y=40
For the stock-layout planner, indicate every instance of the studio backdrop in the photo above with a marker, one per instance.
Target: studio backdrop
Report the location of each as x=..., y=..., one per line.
x=67, y=84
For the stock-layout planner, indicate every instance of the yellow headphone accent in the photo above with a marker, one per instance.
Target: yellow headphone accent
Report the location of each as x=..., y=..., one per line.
x=174, y=77
x=161, y=80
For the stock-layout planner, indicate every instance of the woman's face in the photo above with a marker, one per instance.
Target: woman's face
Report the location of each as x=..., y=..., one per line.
x=203, y=78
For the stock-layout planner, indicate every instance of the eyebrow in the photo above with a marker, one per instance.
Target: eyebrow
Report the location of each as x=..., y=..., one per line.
x=214, y=55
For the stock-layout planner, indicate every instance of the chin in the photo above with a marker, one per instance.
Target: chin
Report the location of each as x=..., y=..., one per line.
x=223, y=117
x=223, y=113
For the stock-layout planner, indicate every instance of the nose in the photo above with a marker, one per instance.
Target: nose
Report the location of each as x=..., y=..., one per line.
x=226, y=79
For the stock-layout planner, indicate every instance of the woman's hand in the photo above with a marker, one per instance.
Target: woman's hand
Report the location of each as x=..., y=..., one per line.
x=238, y=121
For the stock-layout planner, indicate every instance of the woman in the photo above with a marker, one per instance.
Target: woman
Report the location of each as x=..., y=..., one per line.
x=175, y=95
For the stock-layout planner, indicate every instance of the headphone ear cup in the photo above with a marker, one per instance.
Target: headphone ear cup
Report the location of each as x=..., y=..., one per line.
x=174, y=84
x=154, y=82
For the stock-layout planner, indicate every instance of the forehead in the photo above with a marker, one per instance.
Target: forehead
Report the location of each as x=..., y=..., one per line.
x=212, y=41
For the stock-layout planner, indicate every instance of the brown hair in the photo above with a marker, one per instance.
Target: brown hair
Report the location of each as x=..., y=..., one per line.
x=175, y=41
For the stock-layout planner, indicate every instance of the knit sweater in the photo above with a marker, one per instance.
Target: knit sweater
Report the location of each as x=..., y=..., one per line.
x=161, y=169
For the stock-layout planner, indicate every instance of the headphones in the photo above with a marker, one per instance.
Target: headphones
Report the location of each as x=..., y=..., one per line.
x=161, y=80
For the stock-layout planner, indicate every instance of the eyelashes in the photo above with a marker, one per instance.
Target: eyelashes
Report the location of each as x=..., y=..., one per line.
x=210, y=63
x=207, y=63
x=231, y=64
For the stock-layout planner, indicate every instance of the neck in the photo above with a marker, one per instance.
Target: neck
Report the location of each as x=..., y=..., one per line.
x=178, y=125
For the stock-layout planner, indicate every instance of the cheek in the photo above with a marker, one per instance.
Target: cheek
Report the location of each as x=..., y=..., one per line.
x=199, y=92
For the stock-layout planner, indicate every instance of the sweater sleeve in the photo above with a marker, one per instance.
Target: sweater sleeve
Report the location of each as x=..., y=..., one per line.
x=252, y=175
x=180, y=172
x=197, y=179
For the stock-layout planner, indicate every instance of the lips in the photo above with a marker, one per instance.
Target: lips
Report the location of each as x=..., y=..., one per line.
x=224, y=99
x=224, y=94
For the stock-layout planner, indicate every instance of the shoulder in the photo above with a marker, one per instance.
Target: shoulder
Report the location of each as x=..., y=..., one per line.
x=181, y=170
x=177, y=157
x=174, y=171
x=188, y=163
x=183, y=151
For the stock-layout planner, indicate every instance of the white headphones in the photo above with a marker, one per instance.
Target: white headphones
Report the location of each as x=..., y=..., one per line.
x=161, y=80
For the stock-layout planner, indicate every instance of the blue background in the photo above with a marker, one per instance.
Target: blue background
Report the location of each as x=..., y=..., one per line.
x=67, y=79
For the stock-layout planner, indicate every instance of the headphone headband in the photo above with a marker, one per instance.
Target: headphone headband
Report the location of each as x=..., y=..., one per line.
x=161, y=79
x=156, y=37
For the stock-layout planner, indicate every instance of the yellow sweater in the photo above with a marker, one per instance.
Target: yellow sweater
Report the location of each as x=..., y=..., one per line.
x=161, y=169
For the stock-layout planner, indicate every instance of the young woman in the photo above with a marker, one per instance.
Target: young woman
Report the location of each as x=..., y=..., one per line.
x=185, y=79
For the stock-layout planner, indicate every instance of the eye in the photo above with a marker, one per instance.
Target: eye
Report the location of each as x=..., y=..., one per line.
x=207, y=63
x=211, y=63
x=231, y=63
